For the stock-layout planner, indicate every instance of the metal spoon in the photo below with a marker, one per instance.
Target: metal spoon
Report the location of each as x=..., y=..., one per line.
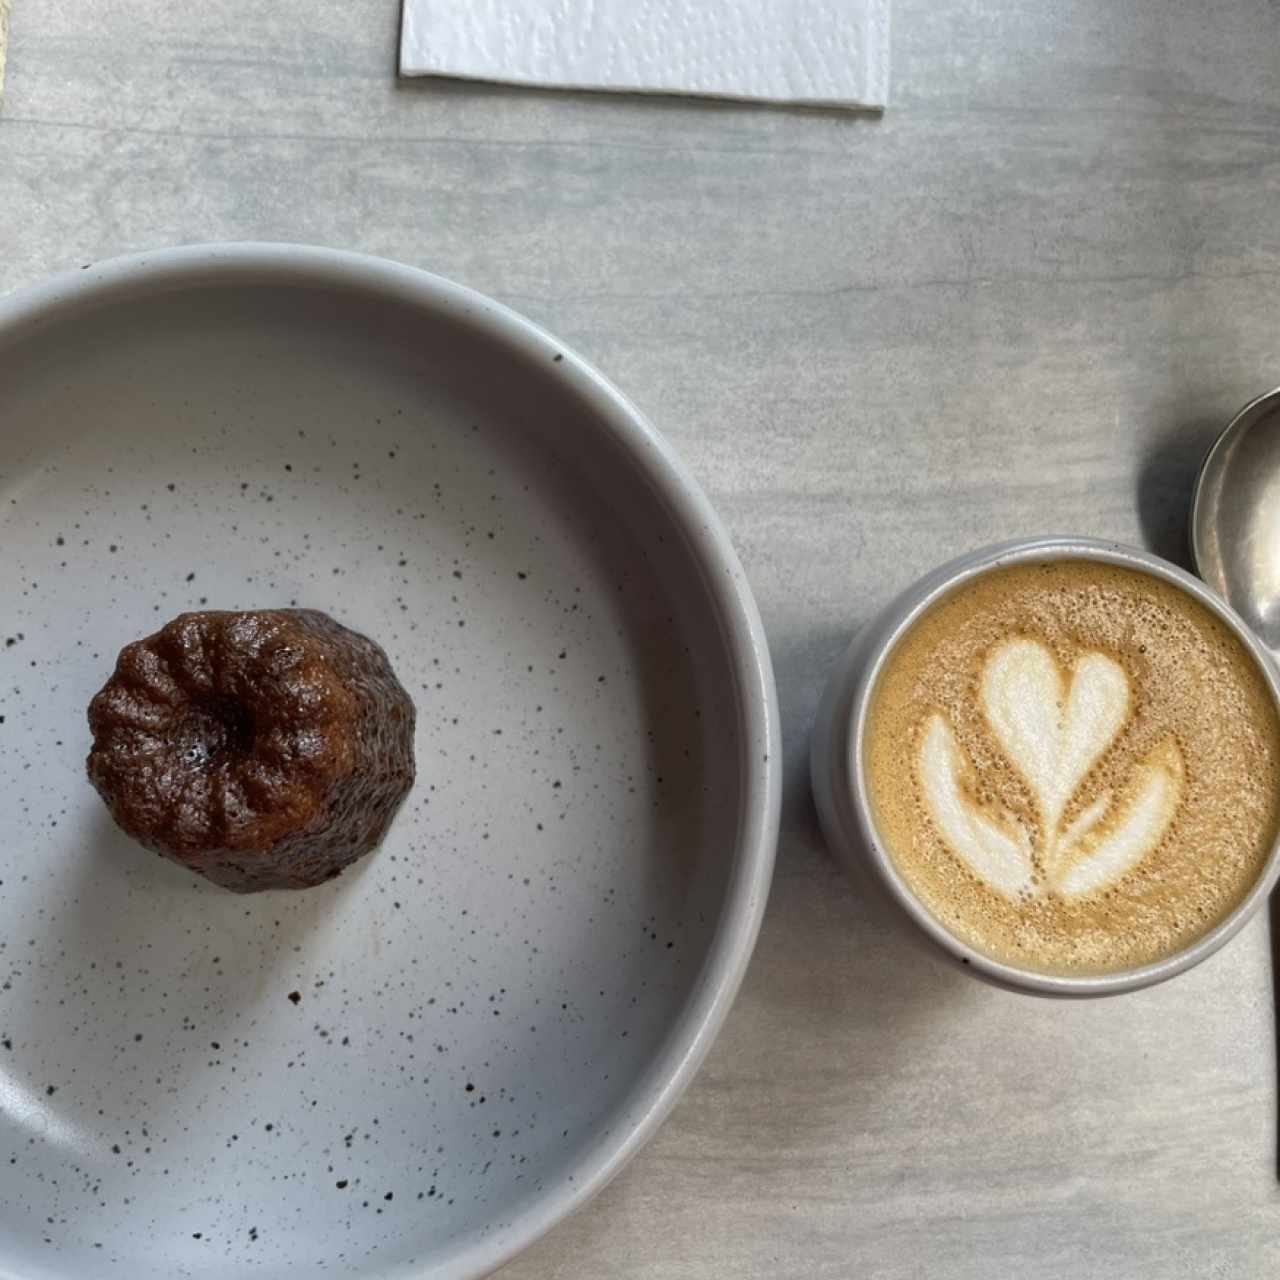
x=1235, y=517
x=1235, y=542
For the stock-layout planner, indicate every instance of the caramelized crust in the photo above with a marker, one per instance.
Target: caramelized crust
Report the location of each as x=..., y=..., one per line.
x=264, y=750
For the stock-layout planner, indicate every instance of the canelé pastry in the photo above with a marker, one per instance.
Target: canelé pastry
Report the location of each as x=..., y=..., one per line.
x=264, y=750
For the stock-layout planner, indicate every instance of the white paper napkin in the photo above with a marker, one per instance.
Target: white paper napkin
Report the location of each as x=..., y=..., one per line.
x=833, y=52
x=4, y=41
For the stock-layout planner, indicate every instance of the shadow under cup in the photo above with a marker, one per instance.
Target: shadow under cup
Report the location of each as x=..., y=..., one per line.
x=838, y=763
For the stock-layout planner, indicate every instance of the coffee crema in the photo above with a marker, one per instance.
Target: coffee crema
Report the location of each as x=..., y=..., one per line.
x=1074, y=766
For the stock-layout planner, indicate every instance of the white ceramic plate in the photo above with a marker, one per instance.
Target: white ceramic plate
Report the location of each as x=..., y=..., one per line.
x=418, y=1068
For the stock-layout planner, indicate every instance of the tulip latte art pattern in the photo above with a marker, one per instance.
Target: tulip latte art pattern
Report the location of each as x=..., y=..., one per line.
x=1053, y=736
x=1074, y=766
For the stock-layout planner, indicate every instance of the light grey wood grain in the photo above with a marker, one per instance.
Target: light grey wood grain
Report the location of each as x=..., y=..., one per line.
x=1023, y=301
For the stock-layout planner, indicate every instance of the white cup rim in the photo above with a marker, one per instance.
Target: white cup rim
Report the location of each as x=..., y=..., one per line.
x=942, y=583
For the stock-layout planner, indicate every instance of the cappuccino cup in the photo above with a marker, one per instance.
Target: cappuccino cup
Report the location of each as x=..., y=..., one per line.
x=1060, y=759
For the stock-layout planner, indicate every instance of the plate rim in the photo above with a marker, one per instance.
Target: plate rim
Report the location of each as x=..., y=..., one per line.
x=136, y=275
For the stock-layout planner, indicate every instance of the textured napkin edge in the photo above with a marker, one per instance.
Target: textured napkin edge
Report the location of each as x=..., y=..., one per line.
x=875, y=96
x=878, y=70
x=4, y=42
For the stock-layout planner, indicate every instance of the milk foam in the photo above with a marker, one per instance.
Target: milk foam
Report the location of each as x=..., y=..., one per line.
x=1053, y=731
x=999, y=851
x=1074, y=766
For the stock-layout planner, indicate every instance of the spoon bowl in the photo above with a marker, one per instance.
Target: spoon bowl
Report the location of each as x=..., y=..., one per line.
x=1235, y=517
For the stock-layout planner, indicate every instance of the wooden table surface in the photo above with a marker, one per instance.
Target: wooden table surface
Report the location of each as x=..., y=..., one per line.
x=1024, y=300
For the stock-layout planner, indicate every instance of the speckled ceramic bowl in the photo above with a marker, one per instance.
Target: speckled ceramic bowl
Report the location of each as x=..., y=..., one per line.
x=416, y=1069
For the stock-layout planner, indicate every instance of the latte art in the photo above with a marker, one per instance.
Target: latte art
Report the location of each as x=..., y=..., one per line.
x=1053, y=737
x=1075, y=767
